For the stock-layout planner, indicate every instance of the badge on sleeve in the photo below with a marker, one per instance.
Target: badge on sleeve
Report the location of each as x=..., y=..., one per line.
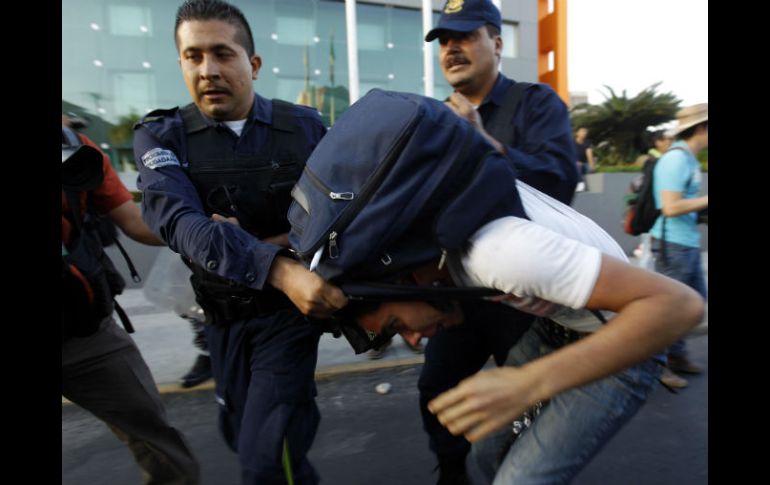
x=158, y=157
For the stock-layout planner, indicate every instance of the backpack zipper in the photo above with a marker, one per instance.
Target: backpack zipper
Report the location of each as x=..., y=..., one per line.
x=326, y=190
x=350, y=211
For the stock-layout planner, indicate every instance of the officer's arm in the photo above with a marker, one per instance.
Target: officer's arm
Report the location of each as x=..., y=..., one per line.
x=545, y=154
x=172, y=209
x=128, y=218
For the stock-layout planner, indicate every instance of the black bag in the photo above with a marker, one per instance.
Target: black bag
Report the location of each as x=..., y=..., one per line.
x=89, y=279
x=641, y=213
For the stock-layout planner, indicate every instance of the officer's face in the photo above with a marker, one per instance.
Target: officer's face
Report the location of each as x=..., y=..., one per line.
x=217, y=70
x=412, y=319
x=469, y=59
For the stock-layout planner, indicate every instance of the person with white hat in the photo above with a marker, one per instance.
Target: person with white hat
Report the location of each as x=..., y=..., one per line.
x=675, y=235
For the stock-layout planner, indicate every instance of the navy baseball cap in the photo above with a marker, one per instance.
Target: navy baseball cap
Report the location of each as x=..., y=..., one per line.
x=465, y=16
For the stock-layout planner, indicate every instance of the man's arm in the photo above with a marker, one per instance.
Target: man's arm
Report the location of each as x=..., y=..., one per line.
x=545, y=153
x=674, y=205
x=672, y=176
x=128, y=218
x=590, y=158
x=173, y=210
x=652, y=312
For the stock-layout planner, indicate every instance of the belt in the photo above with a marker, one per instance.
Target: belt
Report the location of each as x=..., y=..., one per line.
x=559, y=333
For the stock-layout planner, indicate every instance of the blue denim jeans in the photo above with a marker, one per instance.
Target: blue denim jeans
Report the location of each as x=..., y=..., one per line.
x=571, y=428
x=683, y=263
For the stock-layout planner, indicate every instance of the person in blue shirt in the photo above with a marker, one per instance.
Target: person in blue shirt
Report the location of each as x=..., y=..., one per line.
x=675, y=235
x=536, y=135
x=216, y=177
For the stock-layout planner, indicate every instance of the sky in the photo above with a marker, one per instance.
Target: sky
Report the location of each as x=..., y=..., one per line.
x=631, y=44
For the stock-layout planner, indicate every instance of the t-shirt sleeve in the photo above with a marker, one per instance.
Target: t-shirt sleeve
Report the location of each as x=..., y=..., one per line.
x=111, y=193
x=672, y=172
x=517, y=256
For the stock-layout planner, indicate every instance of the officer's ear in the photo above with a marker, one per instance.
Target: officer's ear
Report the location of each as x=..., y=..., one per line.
x=256, y=64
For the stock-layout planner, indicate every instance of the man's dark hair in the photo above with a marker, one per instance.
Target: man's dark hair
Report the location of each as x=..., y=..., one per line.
x=216, y=10
x=492, y=30
x=690, y=132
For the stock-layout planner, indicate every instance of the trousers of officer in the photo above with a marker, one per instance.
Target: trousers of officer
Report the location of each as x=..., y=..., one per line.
x=455, y=353
x=264, y=373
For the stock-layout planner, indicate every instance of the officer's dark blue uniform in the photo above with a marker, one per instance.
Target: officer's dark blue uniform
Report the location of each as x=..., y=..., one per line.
x=542, y=153
x=262, y=348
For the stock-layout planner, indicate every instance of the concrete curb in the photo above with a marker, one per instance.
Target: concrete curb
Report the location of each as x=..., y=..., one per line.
x=320, y=375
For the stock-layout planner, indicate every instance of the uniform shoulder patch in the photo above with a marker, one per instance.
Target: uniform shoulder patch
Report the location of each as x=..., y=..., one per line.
x=159, y=157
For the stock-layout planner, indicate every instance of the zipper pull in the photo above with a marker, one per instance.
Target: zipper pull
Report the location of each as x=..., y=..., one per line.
x=443, y=258
x=334, y=251
x=341, y=195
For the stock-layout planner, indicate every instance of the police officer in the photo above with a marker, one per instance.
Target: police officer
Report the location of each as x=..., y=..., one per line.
x=216, y=176
x=530, y=124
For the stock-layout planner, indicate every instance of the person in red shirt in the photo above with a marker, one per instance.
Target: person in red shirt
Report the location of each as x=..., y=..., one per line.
x=102, y=369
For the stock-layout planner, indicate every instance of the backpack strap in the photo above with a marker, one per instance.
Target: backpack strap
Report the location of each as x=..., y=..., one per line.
x=500, y=124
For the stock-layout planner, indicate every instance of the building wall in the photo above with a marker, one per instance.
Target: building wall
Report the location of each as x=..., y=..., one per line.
x=119, y=60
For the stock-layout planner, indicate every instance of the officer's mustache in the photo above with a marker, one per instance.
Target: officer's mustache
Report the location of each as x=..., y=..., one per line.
x=455, y=60
x=214, y=88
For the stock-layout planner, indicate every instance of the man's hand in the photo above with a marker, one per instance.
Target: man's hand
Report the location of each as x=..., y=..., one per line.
x=308, y=291
x=485, y=402
x=464, y=109
x=229, y=220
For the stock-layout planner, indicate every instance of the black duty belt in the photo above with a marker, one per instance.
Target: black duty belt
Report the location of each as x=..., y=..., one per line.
x=559, y=334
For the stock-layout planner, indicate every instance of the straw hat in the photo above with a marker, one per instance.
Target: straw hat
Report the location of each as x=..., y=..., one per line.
x=691, y=116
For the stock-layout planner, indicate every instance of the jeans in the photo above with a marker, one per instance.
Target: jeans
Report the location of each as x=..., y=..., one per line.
x=570, y=429
x=683, y=263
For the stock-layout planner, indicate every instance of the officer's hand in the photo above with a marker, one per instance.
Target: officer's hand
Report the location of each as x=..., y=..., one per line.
x=230, y=220
x=464, y=109
x=308, y=291
x=280, y=239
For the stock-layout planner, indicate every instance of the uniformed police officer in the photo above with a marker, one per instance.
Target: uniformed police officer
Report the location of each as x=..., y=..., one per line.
x=233, y=156
x=530, y=124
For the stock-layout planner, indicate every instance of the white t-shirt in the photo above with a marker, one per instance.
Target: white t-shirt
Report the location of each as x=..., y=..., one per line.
x=555, y=256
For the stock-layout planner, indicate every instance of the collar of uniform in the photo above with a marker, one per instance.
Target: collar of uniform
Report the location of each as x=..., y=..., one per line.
x=261, y=110
x=497, y=93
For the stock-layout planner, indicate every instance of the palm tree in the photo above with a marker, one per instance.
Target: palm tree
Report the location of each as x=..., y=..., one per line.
x=618, y=126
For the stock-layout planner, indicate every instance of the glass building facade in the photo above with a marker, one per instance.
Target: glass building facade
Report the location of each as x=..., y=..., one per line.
x=119, y=60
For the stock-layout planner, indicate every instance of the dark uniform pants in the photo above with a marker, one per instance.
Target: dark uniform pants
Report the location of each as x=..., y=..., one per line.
x=490, y=329
x=105, y=374
x=264, y=372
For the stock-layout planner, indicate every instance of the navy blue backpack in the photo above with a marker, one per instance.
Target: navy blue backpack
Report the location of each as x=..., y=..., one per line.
x=398, y=181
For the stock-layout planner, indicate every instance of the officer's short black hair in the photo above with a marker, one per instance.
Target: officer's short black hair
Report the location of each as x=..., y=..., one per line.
x=216, y=10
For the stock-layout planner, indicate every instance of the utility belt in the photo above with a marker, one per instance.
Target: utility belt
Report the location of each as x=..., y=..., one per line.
x=226, y=301
x=558, y=335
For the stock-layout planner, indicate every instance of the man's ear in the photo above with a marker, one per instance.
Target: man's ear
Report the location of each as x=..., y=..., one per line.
x=256, y=64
